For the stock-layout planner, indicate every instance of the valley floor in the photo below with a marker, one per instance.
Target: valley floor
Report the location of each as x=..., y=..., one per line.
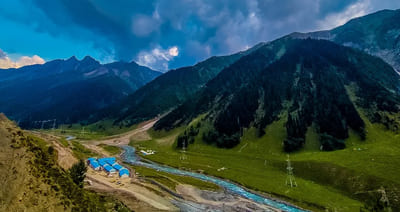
x=352, y=179
x=147, y=189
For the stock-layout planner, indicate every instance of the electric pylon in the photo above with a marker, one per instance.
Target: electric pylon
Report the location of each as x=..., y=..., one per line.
x=290, y=180
x=183, y=151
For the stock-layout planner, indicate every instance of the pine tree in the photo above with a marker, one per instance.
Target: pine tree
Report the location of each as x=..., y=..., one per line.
x=78, y=173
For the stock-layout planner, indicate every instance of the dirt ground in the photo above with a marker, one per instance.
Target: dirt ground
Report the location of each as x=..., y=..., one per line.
x=120, y=140
x=219, y=200
x=143, y=196
x=65, y=157
x=126, y=188
x=133, y=193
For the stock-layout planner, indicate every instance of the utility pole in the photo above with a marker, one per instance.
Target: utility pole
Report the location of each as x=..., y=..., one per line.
x=290, y=180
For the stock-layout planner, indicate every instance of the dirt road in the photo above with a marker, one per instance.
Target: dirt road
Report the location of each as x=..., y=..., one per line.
x=120, y=140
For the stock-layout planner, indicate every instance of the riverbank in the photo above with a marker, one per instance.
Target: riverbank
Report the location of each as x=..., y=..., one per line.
x=129, y=156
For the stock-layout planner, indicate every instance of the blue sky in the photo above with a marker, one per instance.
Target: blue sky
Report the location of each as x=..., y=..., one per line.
x=160, y=34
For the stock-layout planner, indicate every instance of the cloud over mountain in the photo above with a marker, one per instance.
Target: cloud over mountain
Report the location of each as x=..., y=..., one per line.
x=127, y=30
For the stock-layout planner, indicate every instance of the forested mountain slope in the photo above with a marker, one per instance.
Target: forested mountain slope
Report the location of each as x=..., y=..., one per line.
x=169, y=90
x=309, y=81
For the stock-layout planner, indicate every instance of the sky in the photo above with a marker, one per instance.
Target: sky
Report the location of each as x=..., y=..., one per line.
x=160, y=34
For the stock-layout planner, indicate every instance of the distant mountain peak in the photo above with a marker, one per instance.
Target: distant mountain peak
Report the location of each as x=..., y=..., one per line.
x=133, y=62
x=87, y=60
x=72, y=58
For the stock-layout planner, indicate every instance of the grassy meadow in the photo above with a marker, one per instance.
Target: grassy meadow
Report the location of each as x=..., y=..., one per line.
x=343, y=180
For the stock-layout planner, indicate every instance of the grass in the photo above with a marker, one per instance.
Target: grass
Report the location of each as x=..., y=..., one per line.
x=98, y=130
x=171, y=181
x=327, y=180
x=81, y=152
x=113, y=150
x=33, y=180
x=64, y=142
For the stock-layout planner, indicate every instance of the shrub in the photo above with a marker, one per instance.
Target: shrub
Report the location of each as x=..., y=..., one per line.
x=330, y=143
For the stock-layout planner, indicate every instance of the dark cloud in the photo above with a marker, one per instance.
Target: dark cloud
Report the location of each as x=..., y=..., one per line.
x=146, y=30
x=2, y=54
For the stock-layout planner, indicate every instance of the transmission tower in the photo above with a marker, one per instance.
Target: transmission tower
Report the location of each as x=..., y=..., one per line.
x=290, y=180
x=42, y=125
x=384, y=199
x=44, y=122
x=83, y=130
x=183, y=151
x=54, y=123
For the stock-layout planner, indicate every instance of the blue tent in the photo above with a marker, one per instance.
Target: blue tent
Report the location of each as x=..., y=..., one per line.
x=117, y=166
x=102, y=162
x=111, y=162
x=123, y=172
x=109, y=168
x=94, y=164
x=107, y=160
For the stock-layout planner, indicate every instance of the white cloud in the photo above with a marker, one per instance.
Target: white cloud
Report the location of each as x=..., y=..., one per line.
x=173, y=51
x=157, y=58
x=360, y=8
x=6, y=62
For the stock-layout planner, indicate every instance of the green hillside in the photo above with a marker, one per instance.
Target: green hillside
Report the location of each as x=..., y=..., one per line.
x=169, y=90
x=306, y=79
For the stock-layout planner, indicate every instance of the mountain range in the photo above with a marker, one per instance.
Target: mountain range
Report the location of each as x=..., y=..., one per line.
x=318, y=79
x=169, y=90
x=67, y=90
x=376, y=34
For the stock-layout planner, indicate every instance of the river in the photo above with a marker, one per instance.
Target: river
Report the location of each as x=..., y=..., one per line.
x=129, y=156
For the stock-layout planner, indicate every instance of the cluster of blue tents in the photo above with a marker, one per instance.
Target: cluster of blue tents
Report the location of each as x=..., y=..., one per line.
x=109, y=165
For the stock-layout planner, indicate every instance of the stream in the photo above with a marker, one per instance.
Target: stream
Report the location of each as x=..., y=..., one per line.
x=129, y=156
